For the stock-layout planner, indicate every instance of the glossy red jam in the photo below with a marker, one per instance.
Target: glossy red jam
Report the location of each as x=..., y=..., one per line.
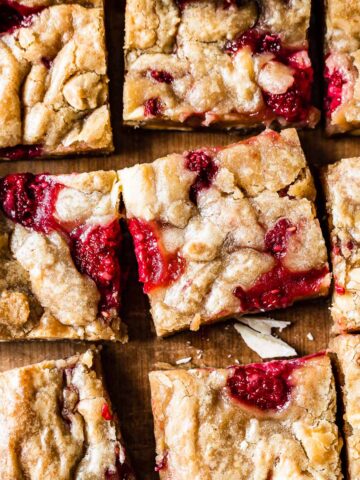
x=279, y=287
x=339, y=289
x=105, y=412
x=162, y=464
x=96, y=251
x=276, y=239
x=258, y=41
x=21, y=152
x=336, y=250
x=157, y=267
x=350, y=245
x=294, y=104
x=14, y=15
x=266, y=386
x=161, y=76
x=335, y=83
x=200, y=162
x=30, y=200
x=153, y=107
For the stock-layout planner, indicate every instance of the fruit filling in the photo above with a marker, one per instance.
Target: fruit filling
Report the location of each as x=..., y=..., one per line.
x=259, y=42
x=280, y=287
x=335, y=83
x=295, y=103
x=21, y=152
x=200, y=162
x=157, y=267
x=266, y=386
x=339, y=289
x=13, y=15
x=276, y=239
x=161, y=464
x=30, y=200
x=161, y=76
x=105, y=412
x=153, y=107
x=96, y=251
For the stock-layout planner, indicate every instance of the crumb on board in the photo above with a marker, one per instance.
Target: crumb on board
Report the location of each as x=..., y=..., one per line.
x=310, y=337
x=184, y=360
x=195, y=323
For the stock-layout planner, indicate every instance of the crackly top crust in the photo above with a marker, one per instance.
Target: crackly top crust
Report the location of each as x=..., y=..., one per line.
x=343, y=205
x=203, y=432
x=347, y=349
x=53, y=83
x=343, y=65
x=186, y=39
x=42, y=293
x=221, y=237
x=56, y=422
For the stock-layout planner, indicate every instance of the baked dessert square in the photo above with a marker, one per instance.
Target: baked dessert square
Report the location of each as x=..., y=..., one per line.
x=60, y=241
x=53, y=81
x=252, y=422
x=343, y=205
x=57, y=422
x=225, y=230
x=221, y=63
x=347, y=350
x=342, y=65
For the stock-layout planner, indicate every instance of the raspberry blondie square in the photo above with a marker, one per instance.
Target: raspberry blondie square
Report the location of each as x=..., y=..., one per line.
x=60, y=240
x=347, y=350
x=342, y=49
x=53, y=82
x=219, y=231
x=273, y=420
x=343, y=204
x=57, y=423
x=223, y=63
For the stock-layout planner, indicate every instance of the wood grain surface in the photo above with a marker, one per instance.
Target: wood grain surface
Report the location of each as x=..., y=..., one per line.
x=126, y=367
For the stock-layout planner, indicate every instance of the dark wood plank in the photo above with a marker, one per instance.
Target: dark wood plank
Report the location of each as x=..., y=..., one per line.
x=126, y=367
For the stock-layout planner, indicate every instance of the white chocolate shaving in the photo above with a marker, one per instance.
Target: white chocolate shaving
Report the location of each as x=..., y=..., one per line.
x=182, y=361
x=265, y=346
x=263, y=325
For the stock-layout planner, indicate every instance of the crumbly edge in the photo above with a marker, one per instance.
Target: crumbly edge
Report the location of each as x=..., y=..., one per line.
x=341, y=348
x=160, y=381
x=231, y=121
x=78, y=148
x=91, y=360
x=341, y=323
x=82, y=181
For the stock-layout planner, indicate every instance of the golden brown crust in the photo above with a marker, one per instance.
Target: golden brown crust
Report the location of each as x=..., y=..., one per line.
x=186, y=39
x=347, y=350
x=222, y=237
x=201, y=432
x=54, y=91
x=343, y=205
x=57, y=422
x=343, y=62
x=42, y=293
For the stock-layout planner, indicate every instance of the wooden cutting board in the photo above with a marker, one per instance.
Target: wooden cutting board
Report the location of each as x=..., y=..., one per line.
x=126, y=367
